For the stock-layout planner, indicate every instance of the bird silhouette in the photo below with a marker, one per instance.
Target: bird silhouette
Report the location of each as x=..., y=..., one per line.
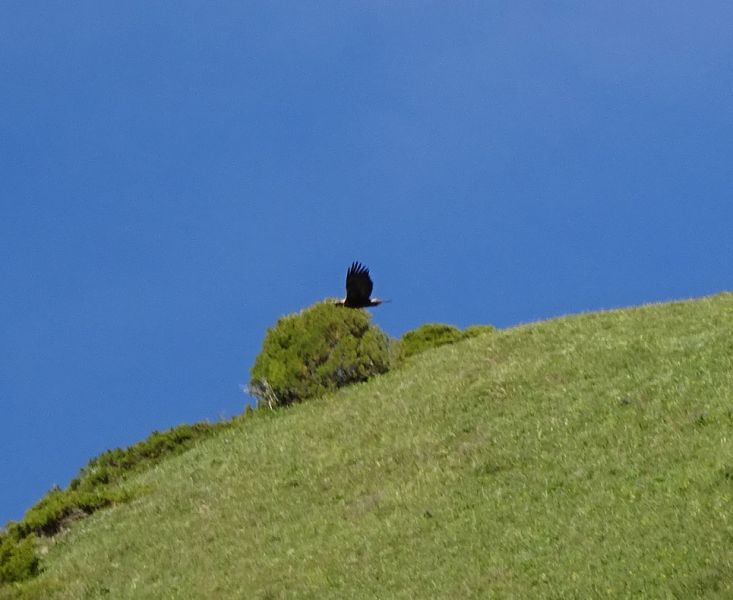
x=359, y=288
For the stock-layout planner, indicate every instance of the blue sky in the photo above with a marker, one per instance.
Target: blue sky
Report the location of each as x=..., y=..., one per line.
x=174, y=176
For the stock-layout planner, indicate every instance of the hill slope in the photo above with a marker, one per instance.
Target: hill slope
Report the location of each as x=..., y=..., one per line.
x=580, y=457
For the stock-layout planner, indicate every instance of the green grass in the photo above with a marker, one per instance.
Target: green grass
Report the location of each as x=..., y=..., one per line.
x=583, y=457
x=98, y=485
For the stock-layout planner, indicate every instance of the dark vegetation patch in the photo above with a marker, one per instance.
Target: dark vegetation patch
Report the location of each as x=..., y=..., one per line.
x=18, y=558
x=434, y=335
x=98, y=485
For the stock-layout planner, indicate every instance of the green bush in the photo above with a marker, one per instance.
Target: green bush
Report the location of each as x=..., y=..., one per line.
x=425, y=337
x=18, y=560
x=315, y=351
x=60, y=507
x=433, y=335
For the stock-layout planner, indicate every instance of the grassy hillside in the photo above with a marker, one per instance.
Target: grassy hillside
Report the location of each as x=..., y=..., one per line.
x=586, y=456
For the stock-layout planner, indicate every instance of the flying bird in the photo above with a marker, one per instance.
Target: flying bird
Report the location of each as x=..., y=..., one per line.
x=358, y=288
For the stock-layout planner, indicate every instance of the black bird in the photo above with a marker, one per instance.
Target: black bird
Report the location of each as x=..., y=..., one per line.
x=358, y=288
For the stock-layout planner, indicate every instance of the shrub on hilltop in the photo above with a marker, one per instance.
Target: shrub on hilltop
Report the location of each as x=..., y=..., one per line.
x=433, y=335
x=318, y=350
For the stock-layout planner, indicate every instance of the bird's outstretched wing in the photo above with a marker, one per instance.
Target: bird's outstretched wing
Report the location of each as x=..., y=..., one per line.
x=358, y=285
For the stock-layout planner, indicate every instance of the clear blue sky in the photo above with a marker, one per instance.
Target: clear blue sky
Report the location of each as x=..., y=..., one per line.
x=174, y=176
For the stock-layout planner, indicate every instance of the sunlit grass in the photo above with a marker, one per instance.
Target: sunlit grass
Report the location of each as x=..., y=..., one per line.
x=585, y=457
